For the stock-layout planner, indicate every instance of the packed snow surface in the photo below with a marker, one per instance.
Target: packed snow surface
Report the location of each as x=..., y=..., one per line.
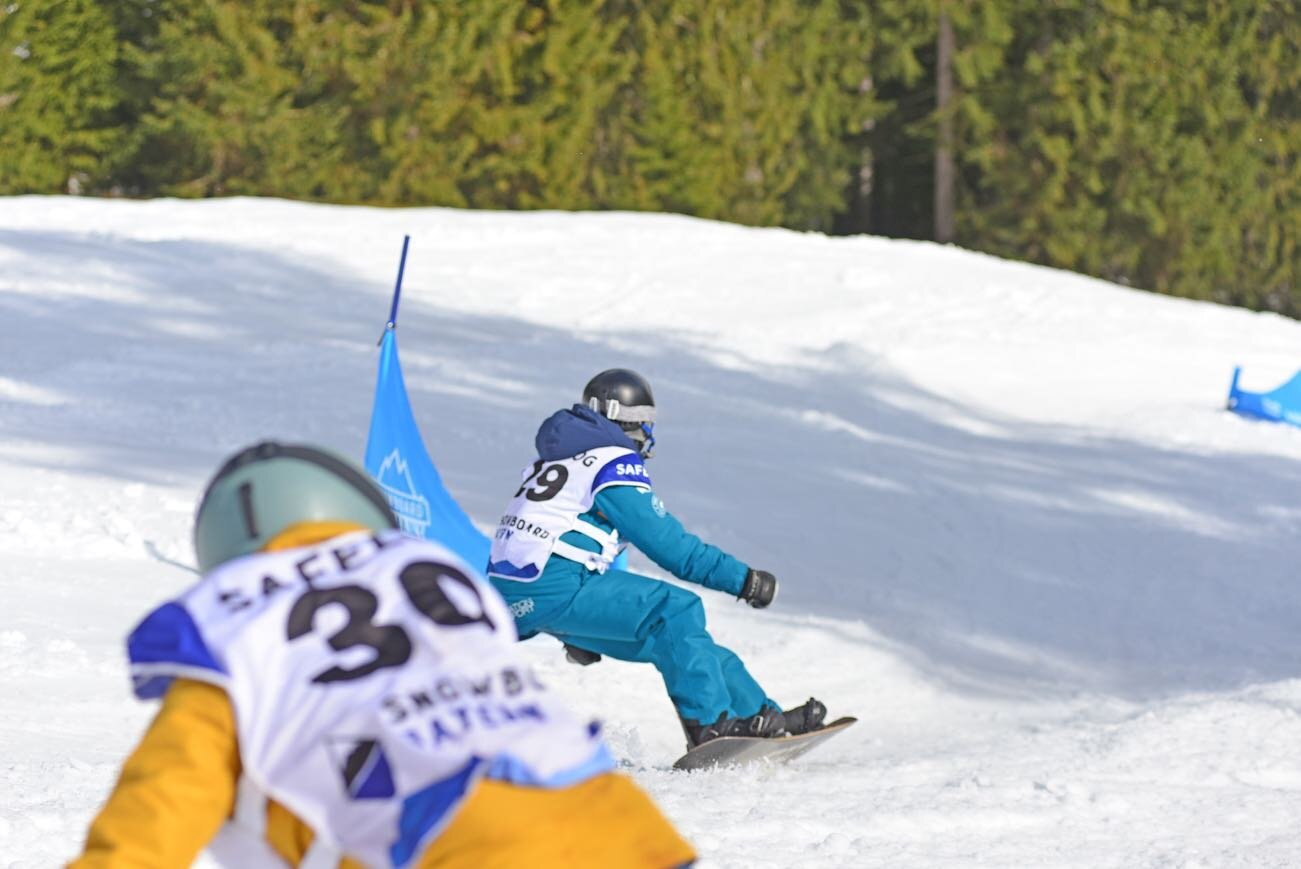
x=1017, y=534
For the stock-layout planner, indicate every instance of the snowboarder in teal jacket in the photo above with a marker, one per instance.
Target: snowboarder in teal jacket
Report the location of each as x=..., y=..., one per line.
x=587, y=493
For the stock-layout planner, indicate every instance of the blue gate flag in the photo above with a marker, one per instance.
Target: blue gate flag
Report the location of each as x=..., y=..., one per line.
x=397, y=459
x=1278, y=405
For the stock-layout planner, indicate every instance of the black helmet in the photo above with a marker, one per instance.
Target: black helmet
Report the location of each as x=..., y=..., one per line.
x=625, y=397
x=268, y=487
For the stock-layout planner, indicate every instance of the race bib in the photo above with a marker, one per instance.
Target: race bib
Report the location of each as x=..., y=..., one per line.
x=551, y=497
x=374, y=678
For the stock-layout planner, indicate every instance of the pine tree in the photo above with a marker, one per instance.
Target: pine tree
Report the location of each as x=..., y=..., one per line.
x=1142, y=142
x=57, y=96
x=500, y=104
x=746, y=111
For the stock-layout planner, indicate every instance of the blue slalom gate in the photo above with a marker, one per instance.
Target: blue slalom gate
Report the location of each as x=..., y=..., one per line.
x=396, y=457
x=1278, y=405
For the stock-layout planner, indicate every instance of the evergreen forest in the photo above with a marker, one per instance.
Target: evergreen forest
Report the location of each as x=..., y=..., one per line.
x=1149, y=142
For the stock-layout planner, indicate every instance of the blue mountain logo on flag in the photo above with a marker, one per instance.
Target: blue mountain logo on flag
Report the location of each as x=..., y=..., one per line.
x=411, y=507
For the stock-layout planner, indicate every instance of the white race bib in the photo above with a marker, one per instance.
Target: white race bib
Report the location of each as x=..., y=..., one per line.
x=374, y=679
x=550, y=499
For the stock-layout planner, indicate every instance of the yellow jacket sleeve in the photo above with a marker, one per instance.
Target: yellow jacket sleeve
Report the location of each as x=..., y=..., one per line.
x=176, y=789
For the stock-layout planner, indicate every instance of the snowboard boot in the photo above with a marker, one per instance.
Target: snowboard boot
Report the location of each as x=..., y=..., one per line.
x=804, y=718
x=767, y=722
x=698, y=734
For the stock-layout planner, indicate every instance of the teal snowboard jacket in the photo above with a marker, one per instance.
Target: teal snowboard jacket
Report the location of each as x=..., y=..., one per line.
x=636, y=513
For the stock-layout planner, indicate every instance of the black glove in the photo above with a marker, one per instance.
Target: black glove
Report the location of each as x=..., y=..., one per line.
x=582, y=657
x=760, y=588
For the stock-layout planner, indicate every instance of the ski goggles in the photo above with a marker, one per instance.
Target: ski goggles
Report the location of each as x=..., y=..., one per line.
x=634, y=419
x=624, y=412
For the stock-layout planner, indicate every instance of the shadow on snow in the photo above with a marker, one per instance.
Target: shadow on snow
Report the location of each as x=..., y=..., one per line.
x=1003, y=555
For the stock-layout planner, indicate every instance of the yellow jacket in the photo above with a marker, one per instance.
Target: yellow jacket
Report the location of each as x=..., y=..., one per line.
x=178, y=788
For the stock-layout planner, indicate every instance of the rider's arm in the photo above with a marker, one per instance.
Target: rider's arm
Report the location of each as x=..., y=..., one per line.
x=642, y=520
x=176, y=789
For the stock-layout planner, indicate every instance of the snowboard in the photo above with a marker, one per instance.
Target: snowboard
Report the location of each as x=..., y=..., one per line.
x=729, y=750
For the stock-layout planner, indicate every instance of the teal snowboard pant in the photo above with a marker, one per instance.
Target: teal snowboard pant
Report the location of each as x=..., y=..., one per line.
x=634, y=618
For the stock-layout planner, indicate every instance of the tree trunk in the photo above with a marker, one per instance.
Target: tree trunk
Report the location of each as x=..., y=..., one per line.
x=945, y=173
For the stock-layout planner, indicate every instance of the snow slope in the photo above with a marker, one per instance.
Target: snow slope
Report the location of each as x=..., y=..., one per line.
x=1016, y=532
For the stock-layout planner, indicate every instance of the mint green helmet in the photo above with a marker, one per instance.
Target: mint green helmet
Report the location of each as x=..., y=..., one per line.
x=268, y=487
